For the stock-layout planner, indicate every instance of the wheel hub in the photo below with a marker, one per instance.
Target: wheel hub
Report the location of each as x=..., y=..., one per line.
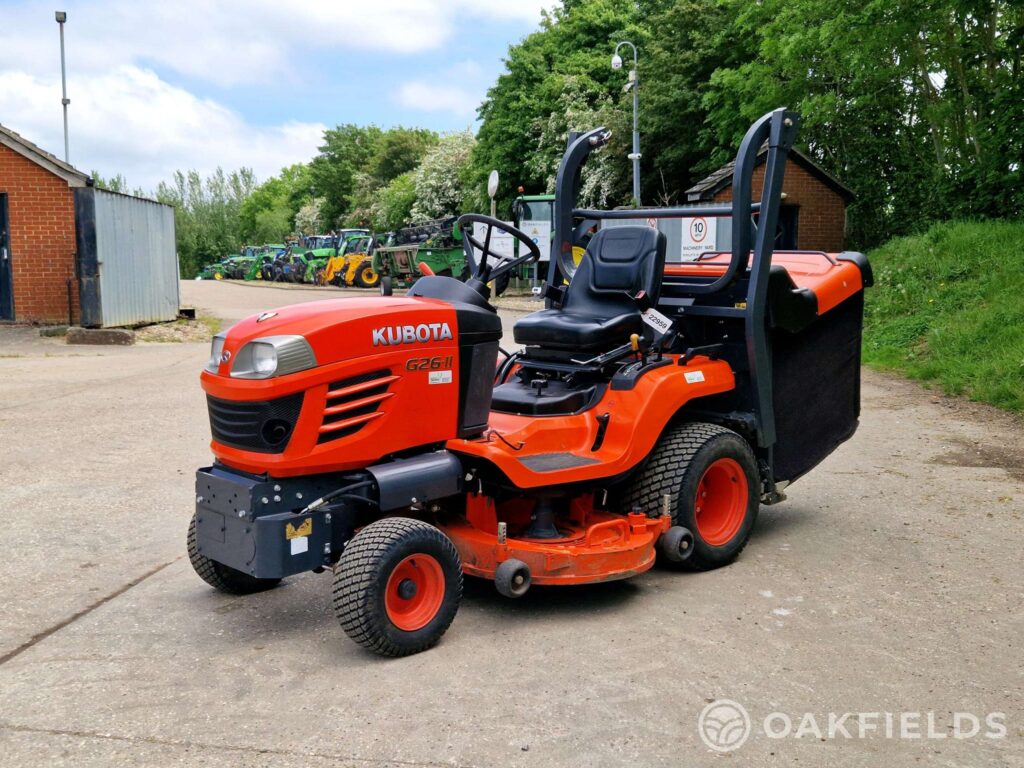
x=720, y=505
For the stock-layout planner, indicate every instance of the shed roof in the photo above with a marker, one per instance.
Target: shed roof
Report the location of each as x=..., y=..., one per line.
x=711, y=185
x=42, y=158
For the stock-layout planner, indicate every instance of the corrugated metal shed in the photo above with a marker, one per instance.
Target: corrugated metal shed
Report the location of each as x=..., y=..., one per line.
x=128, y=266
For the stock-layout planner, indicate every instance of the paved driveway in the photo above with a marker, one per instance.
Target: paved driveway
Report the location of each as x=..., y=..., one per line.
x=891, y=581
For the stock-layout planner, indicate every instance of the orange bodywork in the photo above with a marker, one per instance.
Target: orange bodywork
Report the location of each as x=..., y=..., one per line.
x=412, y=401
x=832, y=283
x=594, y=546
x=638, y=417
x=411, y=412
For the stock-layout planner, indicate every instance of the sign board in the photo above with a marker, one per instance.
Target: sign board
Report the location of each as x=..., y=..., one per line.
x=540, y=233
x=502, y=243
x=700, y=234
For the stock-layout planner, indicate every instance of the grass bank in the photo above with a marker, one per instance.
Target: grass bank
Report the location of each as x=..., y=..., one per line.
x=948, y=308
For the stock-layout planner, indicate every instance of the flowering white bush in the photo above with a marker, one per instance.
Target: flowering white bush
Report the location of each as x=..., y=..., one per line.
x=308, y=220
x=440, y=179
x=605, y=179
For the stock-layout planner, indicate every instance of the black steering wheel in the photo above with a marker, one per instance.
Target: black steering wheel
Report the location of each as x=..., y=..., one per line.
x=481, y=270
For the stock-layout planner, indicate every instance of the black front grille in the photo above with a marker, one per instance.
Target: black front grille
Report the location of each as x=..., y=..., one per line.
x=264, y=426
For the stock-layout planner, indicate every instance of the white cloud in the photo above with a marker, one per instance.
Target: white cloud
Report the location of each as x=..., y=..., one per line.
x=233, y=42
x=125, y=118
x=438, y=97
x=457, y=90
x=130, y=121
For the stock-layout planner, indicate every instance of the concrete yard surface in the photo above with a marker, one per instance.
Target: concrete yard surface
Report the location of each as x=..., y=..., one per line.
x=891, y=581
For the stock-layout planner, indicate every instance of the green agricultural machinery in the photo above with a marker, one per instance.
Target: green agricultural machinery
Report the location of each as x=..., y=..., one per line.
x=438, y=244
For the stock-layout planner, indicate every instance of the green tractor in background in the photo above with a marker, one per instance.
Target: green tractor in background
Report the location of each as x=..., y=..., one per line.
x=437, y=243
x=214, y=271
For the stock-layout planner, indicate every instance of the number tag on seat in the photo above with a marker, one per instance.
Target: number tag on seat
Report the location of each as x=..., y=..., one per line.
x=656, y=320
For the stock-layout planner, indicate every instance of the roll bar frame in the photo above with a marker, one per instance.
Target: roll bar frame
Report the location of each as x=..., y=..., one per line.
x=752, y=243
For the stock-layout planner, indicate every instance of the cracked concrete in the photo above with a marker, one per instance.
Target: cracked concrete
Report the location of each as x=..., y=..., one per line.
x=890, y=581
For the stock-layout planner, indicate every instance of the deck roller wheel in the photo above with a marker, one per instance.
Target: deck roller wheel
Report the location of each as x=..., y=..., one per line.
x=676, y=544
x=397, y=586
x=512, y=578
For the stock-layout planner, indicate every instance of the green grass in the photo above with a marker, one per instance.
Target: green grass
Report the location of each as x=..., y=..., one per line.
x=948, y=308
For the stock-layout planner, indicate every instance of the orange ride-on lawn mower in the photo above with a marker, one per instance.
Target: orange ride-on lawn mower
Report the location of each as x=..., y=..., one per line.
x=650, y=411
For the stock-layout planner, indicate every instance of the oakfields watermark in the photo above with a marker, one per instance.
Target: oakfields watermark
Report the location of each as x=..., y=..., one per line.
x=725, y=725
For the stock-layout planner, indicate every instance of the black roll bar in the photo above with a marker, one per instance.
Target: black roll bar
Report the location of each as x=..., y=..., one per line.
x=778, y=128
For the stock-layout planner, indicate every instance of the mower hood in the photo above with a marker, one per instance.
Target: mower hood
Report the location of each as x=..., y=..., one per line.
x=340, y=330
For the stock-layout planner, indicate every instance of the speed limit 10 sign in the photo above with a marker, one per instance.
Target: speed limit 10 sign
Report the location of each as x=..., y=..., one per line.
x=699, y=235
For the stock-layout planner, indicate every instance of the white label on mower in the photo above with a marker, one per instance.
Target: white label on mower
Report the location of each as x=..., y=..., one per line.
x=694, y=377
x=656, y=320
x=439, y=377
x=300, y=545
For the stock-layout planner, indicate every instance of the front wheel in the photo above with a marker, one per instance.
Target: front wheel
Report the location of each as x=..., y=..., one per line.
x=367, y=277
x=397, y=586
x=220, y=576
x=710, y=475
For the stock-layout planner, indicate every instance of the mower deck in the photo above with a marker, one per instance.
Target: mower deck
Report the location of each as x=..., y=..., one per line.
x=593, y=547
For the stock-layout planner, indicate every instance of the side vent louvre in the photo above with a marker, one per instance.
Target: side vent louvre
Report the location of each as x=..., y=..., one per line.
x=353, y=403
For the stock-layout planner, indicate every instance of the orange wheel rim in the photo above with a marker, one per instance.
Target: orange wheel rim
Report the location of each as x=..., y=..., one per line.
x=414, y=592
x=721, y=503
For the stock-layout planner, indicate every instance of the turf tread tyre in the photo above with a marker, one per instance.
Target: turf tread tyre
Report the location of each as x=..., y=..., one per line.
x=668, y=470
x=362, y=574
x=221, y=577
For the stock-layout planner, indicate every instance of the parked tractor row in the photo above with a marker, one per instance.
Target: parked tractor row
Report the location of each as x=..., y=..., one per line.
x=351, y=257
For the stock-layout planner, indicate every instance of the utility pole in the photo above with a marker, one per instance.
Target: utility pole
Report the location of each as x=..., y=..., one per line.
x=61, y=17
x=633, y=84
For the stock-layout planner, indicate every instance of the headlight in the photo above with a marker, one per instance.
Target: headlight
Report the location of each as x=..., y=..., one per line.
x=216, y=350
x=273, y=356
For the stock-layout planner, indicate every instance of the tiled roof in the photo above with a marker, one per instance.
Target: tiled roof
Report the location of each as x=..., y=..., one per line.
x=711, y=185
x=41, y=157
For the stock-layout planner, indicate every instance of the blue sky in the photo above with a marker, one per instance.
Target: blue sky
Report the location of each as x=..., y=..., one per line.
x=197, y=84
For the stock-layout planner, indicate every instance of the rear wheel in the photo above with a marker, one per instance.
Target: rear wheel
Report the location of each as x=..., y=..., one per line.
x=711, y=477
x=397, y=586
x=219, y=576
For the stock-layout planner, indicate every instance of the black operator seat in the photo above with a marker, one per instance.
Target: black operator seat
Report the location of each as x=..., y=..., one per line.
x=598, y=313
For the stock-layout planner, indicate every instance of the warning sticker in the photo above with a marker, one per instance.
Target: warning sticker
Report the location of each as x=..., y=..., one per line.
x=694, y=377
x=439, y=377
x=305, y=529
x=299, y=545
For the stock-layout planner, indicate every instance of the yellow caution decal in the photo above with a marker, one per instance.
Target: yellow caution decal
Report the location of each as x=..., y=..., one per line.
x=304, y=529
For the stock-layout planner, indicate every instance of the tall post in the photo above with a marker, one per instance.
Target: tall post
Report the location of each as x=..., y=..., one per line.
x=61, y=17
x=636, y=131
x=634, y=84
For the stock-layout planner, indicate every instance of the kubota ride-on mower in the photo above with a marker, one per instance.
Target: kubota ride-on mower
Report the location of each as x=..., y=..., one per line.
x=651, y=410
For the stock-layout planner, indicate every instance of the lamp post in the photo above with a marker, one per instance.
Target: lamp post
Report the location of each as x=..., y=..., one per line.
x=61, y=17
x=633, y=84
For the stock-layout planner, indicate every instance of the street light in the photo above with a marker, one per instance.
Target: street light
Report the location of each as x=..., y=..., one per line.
x=632, y=83
x=61, y=17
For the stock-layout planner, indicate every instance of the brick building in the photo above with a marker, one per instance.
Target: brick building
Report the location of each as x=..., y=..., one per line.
x=813, y=214
x=37, y=232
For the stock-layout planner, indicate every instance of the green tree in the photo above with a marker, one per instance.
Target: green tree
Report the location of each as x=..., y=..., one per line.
x=392, y=204
x=572, y=50
x=346, y=150
x=268, y=214
x=915, y=105
x=206, y=214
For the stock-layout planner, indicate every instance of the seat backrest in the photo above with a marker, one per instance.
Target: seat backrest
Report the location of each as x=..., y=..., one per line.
x=618, y=260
